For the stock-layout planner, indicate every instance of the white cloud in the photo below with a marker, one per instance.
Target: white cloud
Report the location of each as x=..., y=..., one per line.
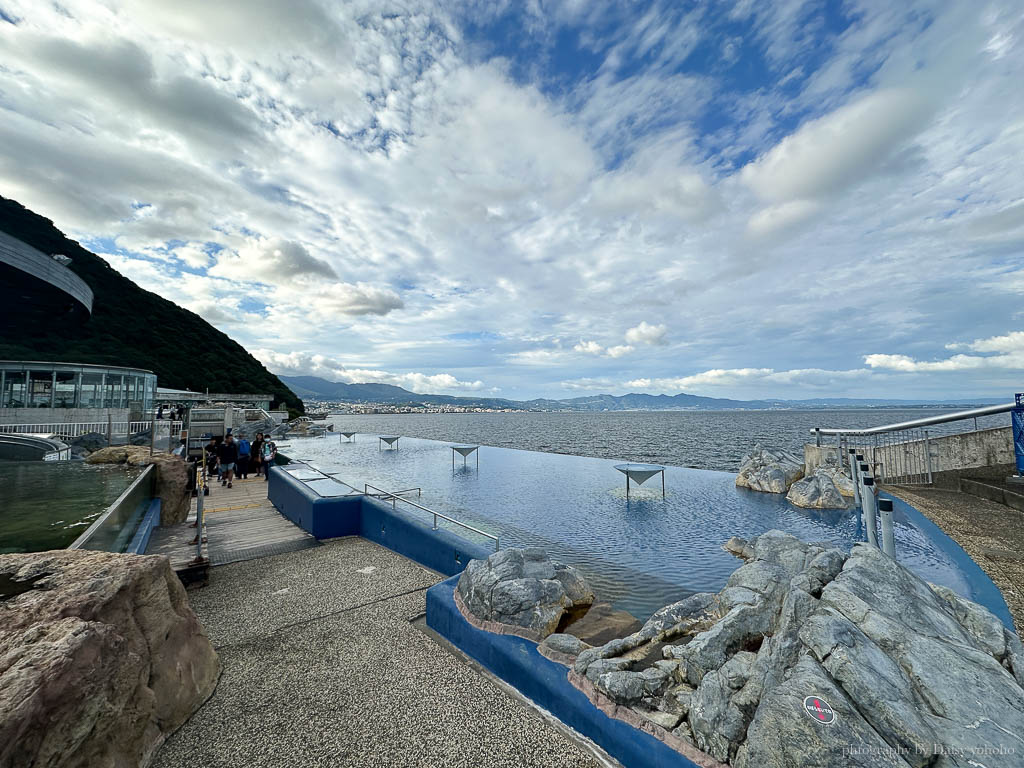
x=589, y=348
x=646, y=333
x=1008, y=354
x=620, y=350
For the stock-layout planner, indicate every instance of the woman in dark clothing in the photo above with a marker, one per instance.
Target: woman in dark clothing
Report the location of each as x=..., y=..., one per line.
x=228, y=455
x=257, y=453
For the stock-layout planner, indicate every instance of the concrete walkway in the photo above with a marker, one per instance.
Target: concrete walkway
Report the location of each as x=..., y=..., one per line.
x=992, y=534
x=322, y=667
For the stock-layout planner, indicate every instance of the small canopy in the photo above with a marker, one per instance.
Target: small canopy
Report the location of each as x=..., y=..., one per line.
x=464, y=451
x=641, y=473
x=389, y=439
x=348, y=435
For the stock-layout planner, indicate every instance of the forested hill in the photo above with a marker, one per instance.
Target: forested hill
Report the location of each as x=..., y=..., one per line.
x=129, y=326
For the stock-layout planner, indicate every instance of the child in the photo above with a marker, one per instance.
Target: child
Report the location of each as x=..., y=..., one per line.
x=269, y=458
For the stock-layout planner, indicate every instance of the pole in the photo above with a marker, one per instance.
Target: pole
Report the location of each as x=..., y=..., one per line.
x=627, y=487
x=152, y=434
x=888, y=540
x=868, y=501
x=817, y=436
x=928, y=456
x=852, y=458
x=663, y=483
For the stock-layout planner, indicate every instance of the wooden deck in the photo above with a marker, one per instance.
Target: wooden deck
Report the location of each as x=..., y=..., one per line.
x=240, y=524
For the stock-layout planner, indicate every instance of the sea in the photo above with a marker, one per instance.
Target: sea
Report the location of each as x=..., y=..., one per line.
x=715, y=440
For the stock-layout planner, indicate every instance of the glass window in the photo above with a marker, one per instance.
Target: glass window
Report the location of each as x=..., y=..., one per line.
x=41, y=389
x=112, y=396
x=92, y=390
x=14, y=395
x=64, y=395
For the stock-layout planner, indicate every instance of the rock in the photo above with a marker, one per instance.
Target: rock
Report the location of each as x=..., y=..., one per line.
x=88, y=443
x=915, y=675
x=99, y=661
x=172, y=477
x=681, y=617
x=816, y=492
x=838, y=476
x=568, y=645
x=782, y=735
x=769, y=471
x=622, y=687
x=523, y=588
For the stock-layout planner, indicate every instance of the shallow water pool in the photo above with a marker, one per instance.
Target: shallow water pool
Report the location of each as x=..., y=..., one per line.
x=641, y=553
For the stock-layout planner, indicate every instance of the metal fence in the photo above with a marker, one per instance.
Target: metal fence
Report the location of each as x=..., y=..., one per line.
x=904, y=453
x=165, y=435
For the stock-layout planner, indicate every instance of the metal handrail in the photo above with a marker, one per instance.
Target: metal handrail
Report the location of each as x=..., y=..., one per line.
x=959, y=416
x=419, y=491
x=395, y=499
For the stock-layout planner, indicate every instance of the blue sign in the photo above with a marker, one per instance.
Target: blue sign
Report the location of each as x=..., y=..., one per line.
x=1017, y=420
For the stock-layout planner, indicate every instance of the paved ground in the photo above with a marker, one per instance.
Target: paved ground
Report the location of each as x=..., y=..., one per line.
x=992, y=534
x=323, y=668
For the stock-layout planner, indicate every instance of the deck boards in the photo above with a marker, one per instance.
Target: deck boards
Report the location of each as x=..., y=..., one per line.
x=240, y=524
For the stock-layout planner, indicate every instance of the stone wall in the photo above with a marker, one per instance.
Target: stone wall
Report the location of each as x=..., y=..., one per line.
x=171, y=477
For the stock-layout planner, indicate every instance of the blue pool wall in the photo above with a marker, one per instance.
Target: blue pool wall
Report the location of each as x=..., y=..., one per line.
x=983, y=589
x=357, y=515
x=546, y=683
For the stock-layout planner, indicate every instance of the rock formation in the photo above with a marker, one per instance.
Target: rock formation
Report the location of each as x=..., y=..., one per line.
x=523, y=590
x=838, y=475
x=100, y=659
x=90, y=442
x=811, y=657
x=771, y=471
x=172, y=476
x=816, y=491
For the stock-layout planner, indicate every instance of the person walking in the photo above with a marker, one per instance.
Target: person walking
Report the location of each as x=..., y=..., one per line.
x=257, y=453
x=210, y=454
x=160, y=411
x=242, y=470
x=269, y=456
x=228, y=455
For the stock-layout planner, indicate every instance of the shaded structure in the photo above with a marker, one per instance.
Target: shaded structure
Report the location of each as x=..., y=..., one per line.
x=465, y=450
x=391, y=440
x=641, y=473
x=350, y=436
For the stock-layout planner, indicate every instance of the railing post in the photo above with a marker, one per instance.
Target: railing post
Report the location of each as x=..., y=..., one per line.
x=852, y=460
x=152, y=433
x=928, y=456
x=817, y=436
x=888, y=540
x=867, y=499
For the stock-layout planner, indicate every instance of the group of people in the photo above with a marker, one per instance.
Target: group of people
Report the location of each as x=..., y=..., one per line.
x=175, y=412
x=227, y=459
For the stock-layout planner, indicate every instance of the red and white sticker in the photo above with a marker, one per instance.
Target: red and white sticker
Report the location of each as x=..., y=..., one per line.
x=819, y=710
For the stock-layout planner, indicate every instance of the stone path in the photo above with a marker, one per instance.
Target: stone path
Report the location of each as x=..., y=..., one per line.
x=323, y=667
x=992, y=534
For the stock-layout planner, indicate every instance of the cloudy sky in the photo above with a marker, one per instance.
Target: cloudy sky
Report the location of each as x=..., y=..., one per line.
x=789, y=199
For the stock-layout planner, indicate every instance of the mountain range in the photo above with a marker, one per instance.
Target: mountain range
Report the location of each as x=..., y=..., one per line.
x=315, y=388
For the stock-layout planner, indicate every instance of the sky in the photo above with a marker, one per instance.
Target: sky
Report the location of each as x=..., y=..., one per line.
x=520, y=199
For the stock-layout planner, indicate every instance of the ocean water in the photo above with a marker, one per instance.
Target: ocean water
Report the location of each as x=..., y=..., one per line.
x=640, y=552
x=696, y=439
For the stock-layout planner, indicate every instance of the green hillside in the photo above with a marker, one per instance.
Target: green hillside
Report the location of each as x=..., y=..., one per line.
x=129, y=326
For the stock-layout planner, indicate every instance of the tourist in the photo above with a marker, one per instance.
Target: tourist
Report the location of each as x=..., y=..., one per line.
x=269, y=456
x=160, y=412
x=257, y=453
x=228, y=455
x=210, y=455
x=242, y=470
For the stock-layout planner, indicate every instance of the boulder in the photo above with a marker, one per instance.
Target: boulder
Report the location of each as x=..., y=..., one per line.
x=817, y=491
x=838, y=475
x=100, y=659
x=172, y=477
x=816, y=657
x=525, y=589
x=771, y=471
x=88, y=443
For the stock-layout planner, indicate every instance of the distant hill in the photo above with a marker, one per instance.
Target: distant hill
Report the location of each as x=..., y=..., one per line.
x=313, y=387
x=129, y=326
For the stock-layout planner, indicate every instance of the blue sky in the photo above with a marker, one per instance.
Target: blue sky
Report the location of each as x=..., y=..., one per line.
x=740, y=199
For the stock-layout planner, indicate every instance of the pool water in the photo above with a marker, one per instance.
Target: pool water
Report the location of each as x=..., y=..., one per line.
x=48, y=504
x=641, y=553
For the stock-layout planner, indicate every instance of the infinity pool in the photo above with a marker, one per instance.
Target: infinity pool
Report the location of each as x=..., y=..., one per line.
x=639, y=554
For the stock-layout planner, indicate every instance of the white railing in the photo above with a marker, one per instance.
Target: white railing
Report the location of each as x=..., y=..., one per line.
x=115, y=431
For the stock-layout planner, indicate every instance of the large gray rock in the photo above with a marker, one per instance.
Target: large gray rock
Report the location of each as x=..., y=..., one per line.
x=525, y=589
x=88, y=443
x=914, y=675
x=817, y=491
x=99, y=661
x=838, y=475
x=771, y=471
